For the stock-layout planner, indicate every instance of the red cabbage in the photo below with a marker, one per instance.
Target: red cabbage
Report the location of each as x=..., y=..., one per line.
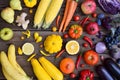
x=110, y=6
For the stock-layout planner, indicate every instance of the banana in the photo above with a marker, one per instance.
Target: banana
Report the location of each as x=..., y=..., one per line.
x=12, y=59
x=8, y=77
x=10, y=69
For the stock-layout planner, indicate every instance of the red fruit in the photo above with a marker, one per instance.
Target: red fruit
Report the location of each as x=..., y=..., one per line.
x=65, y=36
x=94, y=15
x=92, y=28
x=72, y=75
x=76, y=18
x=85, y=45
x=88, y=6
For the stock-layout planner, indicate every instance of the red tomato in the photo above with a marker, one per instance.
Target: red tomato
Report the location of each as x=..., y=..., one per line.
x=72, y=75
x=85, y=45
x=65, y=36
x=91, y=57
x=94, y=15
x=76, y=18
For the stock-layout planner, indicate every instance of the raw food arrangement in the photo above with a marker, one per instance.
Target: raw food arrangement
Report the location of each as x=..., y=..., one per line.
x=60, y=40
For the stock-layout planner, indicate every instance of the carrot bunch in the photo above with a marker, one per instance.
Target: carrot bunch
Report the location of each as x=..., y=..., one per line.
x=70, y=8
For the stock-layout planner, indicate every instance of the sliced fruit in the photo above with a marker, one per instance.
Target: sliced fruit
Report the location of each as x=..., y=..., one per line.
x=28, y=48
x=72, y=47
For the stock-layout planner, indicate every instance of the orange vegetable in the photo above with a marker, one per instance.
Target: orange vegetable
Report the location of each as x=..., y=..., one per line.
x=67, y=65
x=91, y=57
x=65, y=15
x=72, y=7
x=57, y=20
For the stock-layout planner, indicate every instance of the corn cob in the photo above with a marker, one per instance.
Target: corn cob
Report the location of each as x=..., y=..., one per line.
x=40, y=12
x=52, y=12
x=40, y=73
x=51, y=69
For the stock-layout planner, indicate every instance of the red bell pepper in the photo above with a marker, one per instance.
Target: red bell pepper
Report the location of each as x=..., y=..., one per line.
x=86, y=75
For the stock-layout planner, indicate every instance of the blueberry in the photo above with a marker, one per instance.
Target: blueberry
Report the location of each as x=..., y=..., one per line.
x=101, y=16
x=99, y=22
x=118, y=61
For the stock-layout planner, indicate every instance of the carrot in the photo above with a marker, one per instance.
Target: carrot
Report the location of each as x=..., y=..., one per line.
x=65, y=15
x=60, y=53
x=57, y=20
x=72, y=7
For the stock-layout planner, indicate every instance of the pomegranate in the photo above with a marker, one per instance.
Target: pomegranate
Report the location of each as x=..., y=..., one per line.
x=92, y=28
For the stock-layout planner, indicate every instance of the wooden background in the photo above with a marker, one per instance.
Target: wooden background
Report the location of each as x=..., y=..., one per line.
x=18, y=43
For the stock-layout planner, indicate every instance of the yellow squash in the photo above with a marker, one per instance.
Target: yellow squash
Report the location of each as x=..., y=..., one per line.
x=40, y=73
x=51, y=69
x=53, y=43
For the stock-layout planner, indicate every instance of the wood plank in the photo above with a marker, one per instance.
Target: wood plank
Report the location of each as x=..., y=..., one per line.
x=18, y=33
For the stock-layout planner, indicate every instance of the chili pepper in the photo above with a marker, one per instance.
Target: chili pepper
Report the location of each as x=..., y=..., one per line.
x=86, y=75
x=57, y=20
x=89, y=41
x=78, y=60
x=60, y=53
x=84, y=20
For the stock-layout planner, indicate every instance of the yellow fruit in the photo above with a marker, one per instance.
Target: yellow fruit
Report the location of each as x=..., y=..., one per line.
x=39, y=39
x=32, y=56
x=36, y=35
x=28, y=48
x=54, y=29
x=72, y=47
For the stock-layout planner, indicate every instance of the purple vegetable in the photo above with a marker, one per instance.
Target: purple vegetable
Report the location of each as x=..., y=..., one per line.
x=110, y=6
x=115, y=52
x=100, y=47
x=105, y=23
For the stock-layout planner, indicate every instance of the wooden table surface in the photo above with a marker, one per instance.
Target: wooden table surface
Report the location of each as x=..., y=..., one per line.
x=18, y=43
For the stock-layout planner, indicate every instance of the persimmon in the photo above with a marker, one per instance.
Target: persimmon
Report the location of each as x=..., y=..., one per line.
x=67, y=65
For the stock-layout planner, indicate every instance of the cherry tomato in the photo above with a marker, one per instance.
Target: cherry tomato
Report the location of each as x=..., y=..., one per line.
x=94, y=15
x=66, y=36
x=72, y=75
x=76, y=18
x=85, y=45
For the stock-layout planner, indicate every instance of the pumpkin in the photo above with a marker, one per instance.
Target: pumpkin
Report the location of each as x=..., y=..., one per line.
x=53, y=43
x=67, y=65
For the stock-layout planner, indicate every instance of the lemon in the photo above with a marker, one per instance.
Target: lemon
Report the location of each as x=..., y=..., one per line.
x=28, y=48
x=72, y=47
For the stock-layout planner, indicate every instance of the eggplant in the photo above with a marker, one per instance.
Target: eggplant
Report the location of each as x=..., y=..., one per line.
x=112, y=67
x=103, y=73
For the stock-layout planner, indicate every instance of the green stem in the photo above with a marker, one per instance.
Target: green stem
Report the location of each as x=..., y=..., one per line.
x=87, y=78
x=77, y=0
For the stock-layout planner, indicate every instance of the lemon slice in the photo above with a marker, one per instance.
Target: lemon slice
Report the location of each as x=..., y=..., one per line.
x=72, y=47
x=28, y=48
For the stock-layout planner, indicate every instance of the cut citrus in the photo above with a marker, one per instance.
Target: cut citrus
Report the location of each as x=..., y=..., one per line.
x=72, y=47
x=28, y=48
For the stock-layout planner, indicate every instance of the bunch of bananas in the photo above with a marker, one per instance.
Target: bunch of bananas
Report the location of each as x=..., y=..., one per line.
x=11, y=69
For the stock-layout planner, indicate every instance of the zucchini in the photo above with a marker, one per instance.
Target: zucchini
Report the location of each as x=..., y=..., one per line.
x=103, y=73
x=112, y=67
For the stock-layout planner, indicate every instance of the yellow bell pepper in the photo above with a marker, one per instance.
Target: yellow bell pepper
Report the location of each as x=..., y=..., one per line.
x=30, y=3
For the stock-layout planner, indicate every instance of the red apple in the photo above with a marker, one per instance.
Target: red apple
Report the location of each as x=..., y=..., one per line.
x=88, y=6
x=92, y=28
